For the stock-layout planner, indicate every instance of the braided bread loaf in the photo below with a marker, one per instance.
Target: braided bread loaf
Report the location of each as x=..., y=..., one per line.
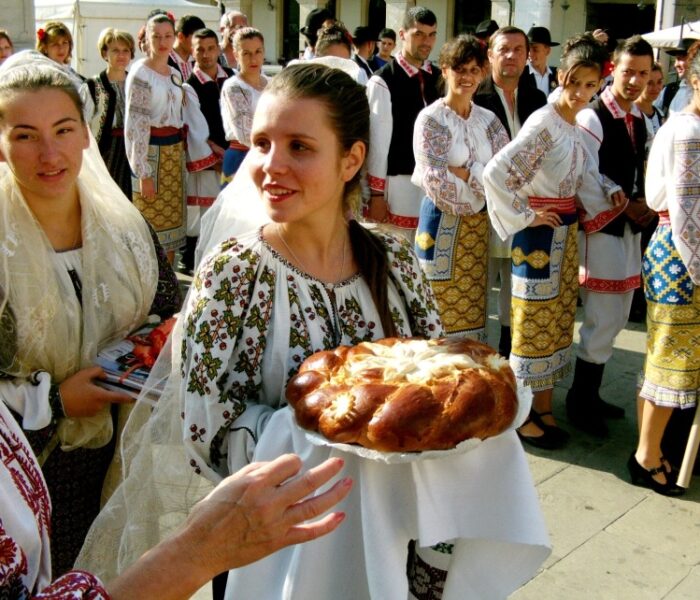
x=405, y=395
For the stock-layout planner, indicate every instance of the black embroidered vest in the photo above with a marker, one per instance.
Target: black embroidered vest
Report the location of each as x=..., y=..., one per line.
x=621, y=160
x=406, y=103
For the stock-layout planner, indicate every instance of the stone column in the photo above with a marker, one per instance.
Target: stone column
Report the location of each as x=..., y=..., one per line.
x=18, y=19
x=500, y=12
x=395, y=10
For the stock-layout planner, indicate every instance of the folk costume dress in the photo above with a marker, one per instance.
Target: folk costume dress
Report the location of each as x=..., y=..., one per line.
x=238, y=102
x=25, y=515
x=62, y=308
x=250, y=321
x=154, y=135
x=107, y=125
x=452, y=239
x=545, y=166
x=671, y=265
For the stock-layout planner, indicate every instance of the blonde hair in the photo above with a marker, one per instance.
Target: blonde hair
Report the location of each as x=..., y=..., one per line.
x=109, y=36
x=51, y=31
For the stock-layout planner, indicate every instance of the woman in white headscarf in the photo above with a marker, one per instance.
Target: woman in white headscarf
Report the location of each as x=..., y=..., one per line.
x=79, y=268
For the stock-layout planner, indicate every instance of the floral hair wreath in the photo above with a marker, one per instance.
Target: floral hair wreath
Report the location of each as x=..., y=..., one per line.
x=41, y=34
x=170, y=16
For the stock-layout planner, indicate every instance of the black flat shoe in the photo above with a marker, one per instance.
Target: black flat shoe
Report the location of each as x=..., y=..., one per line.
x=551, y=438
x=555, y=430
x=586, y=418
x=645, y=478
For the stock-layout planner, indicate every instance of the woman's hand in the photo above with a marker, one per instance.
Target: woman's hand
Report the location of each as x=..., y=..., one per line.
x=251, y=514
x=148, y=187
x=546, y=217
x=639, y=212
x=618, y=198
x=461, y=172
x=82, y=397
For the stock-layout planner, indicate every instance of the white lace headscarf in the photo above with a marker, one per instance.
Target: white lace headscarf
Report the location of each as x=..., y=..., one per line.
x=52, y=331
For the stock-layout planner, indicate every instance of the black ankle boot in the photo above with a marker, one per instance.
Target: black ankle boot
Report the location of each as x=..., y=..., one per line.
x=583, y=406
x=187, y=258
x=504, y=342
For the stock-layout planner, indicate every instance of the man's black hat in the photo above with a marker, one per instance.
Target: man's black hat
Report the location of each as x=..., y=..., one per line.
x=541, y=35
x=486, y=29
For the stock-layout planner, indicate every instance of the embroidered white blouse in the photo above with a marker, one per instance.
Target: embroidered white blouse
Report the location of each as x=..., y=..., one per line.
x=547, y=159
x=252, y=320
x=238, y=102
x=442, y=139
x=152, y=100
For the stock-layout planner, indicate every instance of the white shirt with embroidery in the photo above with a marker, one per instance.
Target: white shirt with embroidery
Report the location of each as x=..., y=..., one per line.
x=152, y=100
x=442, y=139
x=547, y=159
x=238, y=102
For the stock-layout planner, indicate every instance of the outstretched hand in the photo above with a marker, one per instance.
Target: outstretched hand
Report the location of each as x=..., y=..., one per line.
x=254, y=512
x=263, y=508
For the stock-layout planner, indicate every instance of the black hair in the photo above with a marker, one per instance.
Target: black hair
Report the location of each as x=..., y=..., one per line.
x=205, y=34
x=387, y=33
x=582, y=50
x=636, y=46
x=418, y=14
x=188, y=24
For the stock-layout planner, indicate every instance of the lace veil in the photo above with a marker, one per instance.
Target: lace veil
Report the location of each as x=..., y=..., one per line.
x=159, y=487
x=46, y=326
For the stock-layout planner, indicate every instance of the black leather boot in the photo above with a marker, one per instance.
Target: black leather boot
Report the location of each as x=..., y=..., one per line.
x=504, y=342
x=187, y=258
x=583, y=405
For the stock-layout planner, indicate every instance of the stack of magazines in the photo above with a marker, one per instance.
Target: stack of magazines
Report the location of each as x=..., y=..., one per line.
x=125, y=372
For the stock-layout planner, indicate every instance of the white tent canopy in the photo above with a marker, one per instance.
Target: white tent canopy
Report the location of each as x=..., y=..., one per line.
x=669, y=38
x=87, y=18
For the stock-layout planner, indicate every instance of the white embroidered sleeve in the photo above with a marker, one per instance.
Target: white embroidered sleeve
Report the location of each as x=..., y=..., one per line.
x=431, y=145
x=509, y=171
x=137, y=126
x=380, y=129
x=199, y=153
x=237, y=112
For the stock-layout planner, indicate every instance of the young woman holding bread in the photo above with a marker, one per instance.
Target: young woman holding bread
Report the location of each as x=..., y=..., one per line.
x=310, y=278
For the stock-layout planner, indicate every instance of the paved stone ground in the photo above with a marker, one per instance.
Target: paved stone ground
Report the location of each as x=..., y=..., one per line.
x=610, y=540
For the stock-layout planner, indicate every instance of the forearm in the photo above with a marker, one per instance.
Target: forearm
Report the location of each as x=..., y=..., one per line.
x=166, y=572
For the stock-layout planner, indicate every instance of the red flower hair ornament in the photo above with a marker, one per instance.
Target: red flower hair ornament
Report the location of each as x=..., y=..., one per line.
x=41, y=34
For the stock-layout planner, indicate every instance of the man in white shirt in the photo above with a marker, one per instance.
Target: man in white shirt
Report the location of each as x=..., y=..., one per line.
x=615, y=133
x=677, y=94
x=397, y=93
x=538, y=72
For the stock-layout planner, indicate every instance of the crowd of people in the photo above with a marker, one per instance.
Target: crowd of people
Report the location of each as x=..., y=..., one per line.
x=363, y=192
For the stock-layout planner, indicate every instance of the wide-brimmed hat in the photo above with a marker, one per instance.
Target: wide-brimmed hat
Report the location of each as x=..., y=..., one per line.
x=541, y=35
x=681, y=48
x=363, y=34
x=486, y=29
x=314, y=21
